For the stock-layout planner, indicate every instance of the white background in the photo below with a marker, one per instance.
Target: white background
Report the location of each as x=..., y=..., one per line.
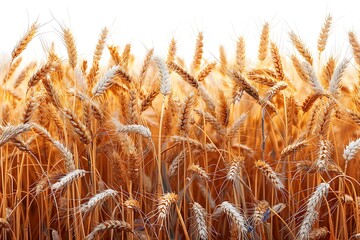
x=152, y=23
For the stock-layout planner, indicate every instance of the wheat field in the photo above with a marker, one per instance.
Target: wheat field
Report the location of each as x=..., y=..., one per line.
x=234, y=148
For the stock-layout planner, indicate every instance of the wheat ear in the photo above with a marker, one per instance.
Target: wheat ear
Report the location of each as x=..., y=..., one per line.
x=67, y=179
x=9, y=132
x=110, y=224
x=198, y=52
x=234, y=214
x=324, y=34
x=300, y=46
x=70, y=47
x=164, y=207
x=337, y=76
x=270, y=174
x=138, y=129
x=105, y=82
x=164, y=76
x=312, y=214
x=200, y=221
x=97, y=200
x=264, y=42
x=355, y=47
x=24, y=41
x=293, y=148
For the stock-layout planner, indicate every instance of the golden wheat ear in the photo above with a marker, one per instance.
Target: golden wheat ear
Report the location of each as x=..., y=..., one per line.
x=195, y=65
x=324, y=34
x=70, y=47
x=25, y=40
x=264, y=42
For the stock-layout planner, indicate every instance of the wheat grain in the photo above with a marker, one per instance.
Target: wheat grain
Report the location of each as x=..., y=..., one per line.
x=243, y=84
x=312, y=78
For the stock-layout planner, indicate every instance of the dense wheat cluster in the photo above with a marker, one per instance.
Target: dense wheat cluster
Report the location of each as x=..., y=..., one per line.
x=237, y=148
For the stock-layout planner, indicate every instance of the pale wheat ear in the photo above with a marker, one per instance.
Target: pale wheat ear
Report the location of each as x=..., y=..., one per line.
x=164, y=76
x=71, y=176
x=312, y=212
x=96, y=200
x=234, y=215
x=110, y=224
x=105, y=82
x=164, y=206
x=200, y=221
